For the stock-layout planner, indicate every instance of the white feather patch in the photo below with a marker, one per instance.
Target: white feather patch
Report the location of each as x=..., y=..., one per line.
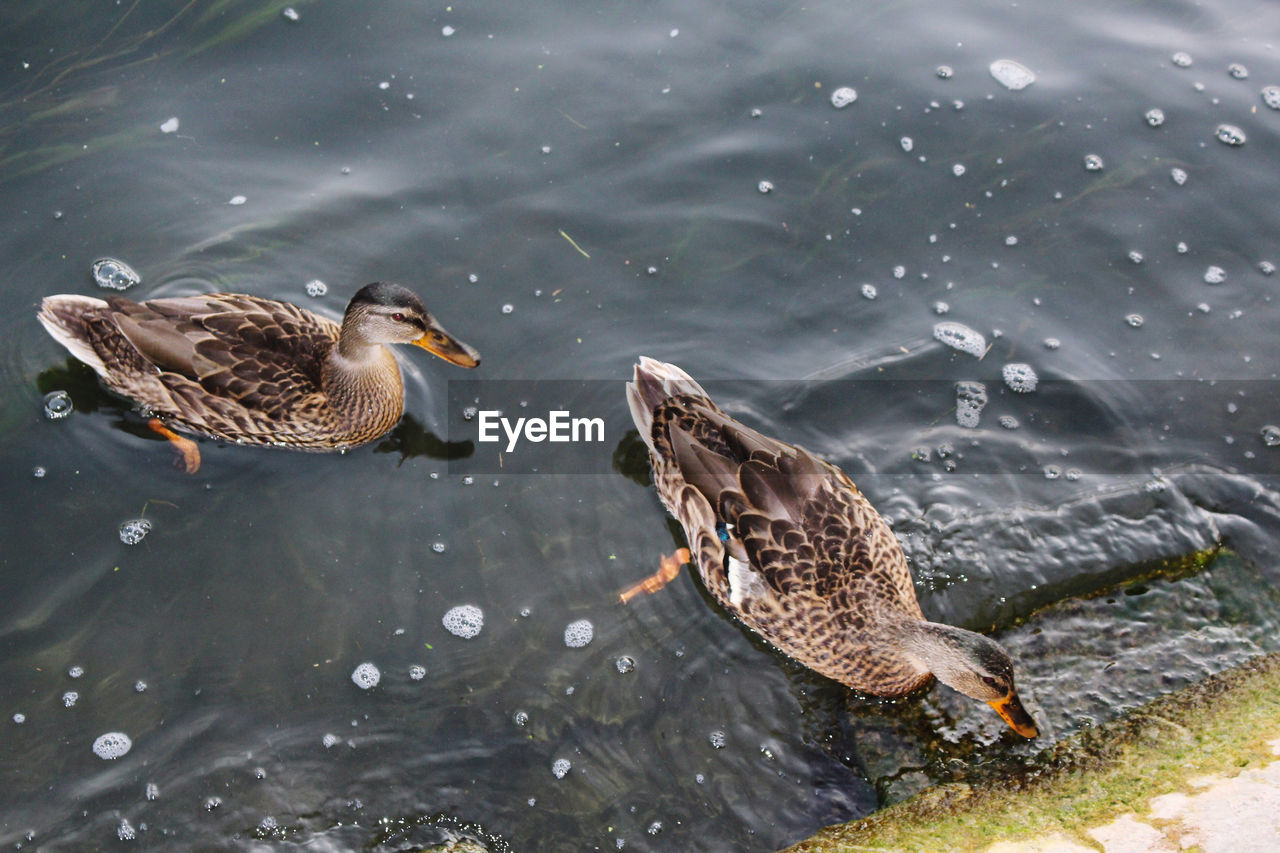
x=744, y=582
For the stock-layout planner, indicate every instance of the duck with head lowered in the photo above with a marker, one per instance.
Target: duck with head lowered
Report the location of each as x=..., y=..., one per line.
x=787, y=543
x=254, y=371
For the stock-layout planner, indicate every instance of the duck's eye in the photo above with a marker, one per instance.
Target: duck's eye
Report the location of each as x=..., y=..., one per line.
x=398, y=317
x=989, y=681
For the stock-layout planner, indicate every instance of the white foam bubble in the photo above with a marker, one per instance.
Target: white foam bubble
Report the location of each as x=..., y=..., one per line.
x=463, y=621
x=114, y=274
x=366, y=676
x=1229, y=134
x=1215, y=275
x=961, y=337
x=57, y=405
x=971, y=398
x=1020, y=377
x=560, y=767
x=417, y=672
x=843, y=97
x=578, y=634
x=170, y=125
x=134, y=531
x=112, y=745
x=1012, y=75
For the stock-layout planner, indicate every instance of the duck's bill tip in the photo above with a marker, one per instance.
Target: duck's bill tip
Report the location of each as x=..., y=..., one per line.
x=1012, y=712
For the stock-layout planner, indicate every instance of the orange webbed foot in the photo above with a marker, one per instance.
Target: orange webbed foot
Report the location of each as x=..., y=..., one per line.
x=666, y=573
x=188, y=451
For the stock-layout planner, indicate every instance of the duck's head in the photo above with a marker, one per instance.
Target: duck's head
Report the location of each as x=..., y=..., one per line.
x=385, y=313
x=973, y=664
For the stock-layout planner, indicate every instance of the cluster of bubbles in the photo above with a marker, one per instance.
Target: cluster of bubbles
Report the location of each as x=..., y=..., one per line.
x=971, y=399
x=316, y=288
x=366, y=676
x=1020, y=377
x=134, y=531
x=1229, y=134
x=579, y=633
x=961, y=337
x=463, y=621
x=560, y=767
x=843, y=97
x=113, y=274
x=112, y=745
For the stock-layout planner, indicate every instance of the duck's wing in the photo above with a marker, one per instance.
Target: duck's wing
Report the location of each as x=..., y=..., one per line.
x=797, y=530
x=262, y=354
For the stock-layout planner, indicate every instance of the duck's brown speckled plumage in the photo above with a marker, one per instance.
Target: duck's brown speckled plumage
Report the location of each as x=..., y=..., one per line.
x=787, y=542
x=246, y=369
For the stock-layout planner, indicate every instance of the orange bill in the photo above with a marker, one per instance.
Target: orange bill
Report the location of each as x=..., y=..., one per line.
x=440, y=343
x=666, y=573
x=1012, y=712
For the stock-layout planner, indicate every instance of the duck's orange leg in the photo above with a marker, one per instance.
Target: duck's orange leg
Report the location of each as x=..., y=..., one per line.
x=188, y=450
x=667, y=571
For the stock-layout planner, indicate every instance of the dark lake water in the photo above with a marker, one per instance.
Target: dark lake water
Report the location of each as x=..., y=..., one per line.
x=569, y=186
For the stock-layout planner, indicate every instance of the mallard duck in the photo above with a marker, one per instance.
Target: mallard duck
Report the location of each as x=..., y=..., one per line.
x=251, y=370
x=788, y=544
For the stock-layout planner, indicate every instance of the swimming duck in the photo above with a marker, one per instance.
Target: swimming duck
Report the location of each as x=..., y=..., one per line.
x=254, y=371
x=788, y=544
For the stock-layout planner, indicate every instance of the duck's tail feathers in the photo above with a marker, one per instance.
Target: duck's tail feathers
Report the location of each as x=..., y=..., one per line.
x=64, y=318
